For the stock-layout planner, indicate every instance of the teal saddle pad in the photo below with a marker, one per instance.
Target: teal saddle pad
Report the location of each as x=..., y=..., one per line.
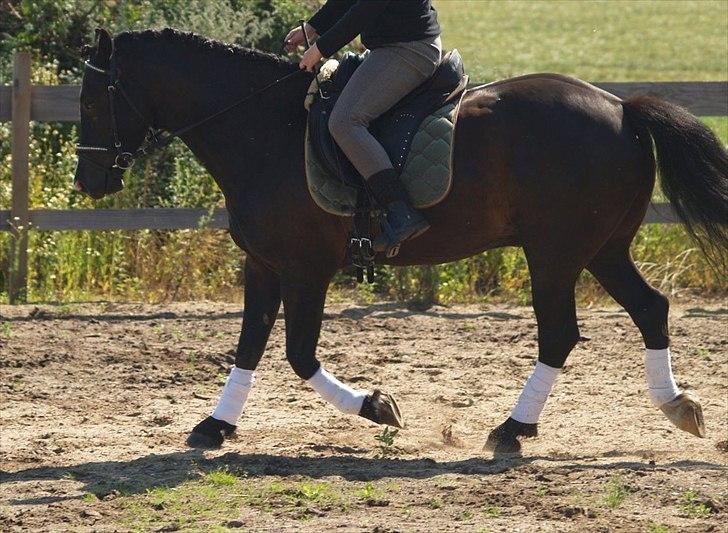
x=427, y=174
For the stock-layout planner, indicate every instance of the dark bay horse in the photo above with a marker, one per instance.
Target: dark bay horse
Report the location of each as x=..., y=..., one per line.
x=545, y=162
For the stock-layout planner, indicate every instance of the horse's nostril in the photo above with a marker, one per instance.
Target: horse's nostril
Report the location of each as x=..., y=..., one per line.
x=77, y=185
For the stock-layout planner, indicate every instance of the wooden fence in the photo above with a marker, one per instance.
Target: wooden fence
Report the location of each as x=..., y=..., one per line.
x=22, y=103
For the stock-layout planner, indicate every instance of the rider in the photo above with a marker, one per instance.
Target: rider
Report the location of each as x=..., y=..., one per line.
x=404, y=41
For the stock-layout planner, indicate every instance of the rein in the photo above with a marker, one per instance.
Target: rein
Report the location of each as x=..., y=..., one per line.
x=152, y=140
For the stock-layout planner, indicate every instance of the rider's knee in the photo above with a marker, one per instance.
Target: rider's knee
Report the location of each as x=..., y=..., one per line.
x=343, y=122
x=338, y=123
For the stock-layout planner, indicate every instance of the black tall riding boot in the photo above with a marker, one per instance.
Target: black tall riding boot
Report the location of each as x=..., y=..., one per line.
x=402, y=221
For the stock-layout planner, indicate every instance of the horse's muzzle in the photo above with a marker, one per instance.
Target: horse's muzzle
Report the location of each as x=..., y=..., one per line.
x=97, y=183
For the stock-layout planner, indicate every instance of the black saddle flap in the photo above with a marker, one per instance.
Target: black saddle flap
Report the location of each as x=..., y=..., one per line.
x=394, y=129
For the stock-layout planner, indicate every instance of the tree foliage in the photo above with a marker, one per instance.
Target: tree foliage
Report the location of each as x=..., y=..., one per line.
x=58, y=29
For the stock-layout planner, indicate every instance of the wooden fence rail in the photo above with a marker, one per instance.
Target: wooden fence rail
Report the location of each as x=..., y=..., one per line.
x=22, y=103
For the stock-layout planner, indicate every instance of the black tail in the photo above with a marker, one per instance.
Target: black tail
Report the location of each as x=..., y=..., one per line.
x=693, y=169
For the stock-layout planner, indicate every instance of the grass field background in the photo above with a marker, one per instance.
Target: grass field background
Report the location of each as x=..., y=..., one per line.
x=613, y=40
x=592, y=40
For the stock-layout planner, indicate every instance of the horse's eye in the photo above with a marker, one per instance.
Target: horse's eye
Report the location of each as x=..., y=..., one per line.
x=88, y=106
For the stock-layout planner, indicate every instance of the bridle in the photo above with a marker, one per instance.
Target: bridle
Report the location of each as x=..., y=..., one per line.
x=123, y=159
x=153, y=141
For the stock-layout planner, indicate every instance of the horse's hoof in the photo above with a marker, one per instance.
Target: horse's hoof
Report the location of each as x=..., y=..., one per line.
x=381, y=408
x=210, y=433
x=685, y=412
x=503, y=440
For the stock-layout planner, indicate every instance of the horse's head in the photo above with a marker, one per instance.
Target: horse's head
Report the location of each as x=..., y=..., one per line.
x=112, y=127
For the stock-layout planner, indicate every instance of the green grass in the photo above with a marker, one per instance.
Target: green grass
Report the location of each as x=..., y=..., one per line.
x=617, y=492
x=434, y=503
x=594, y=40
x=719, y=125
x=221, y=478
x=218, y=496
x=369, y=491
x=386, y=441
x=309, y=492
x=703, y=353
x=693, y=506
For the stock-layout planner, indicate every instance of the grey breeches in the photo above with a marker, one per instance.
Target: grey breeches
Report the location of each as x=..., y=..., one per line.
x=387, y=75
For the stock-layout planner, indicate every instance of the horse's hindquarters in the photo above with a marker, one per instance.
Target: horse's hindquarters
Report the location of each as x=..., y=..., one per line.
x=537, y=159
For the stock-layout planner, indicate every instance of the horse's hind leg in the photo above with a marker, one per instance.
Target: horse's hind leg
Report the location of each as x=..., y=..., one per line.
x=262, y=301
x=553, y=302
x=614, y=269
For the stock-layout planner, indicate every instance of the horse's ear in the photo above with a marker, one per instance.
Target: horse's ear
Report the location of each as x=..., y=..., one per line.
x=104, y=48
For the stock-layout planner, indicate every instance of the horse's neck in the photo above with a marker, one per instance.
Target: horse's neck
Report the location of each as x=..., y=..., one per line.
x=240, y=147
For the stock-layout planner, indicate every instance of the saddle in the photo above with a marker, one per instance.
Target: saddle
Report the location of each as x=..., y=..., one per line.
x=395, y=129
x=417, y=134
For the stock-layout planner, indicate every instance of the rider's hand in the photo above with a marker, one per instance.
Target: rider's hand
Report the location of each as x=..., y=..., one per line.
x=310, y=59
x=295, y=37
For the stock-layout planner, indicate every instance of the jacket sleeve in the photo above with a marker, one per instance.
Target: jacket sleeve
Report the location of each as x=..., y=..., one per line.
x=357, y=19
x=329, y=14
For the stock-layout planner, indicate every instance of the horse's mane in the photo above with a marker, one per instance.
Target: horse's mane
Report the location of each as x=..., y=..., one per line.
x=197, y=42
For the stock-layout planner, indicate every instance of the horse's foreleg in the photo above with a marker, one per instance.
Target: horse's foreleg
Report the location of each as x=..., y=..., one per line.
x=558, y=333
x=262, y=300
x=304, y=303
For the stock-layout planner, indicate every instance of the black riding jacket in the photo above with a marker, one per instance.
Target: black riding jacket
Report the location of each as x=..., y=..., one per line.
x=378, y=21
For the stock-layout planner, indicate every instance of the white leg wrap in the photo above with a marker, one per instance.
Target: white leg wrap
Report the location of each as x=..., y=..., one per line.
x=661, y=383
x=341, y=396
x=535, y=392
x=232, y=400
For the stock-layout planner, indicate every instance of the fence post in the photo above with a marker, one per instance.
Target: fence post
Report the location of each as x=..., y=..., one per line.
x=20, y=154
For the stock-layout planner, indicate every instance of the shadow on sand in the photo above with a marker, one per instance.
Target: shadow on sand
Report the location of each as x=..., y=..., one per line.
x=401, y=310
x=382, y=310
x=139, y=475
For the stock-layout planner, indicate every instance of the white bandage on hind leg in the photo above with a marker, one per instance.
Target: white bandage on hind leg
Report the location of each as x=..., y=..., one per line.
x=534, y=394
x=661, y=383
x=341, y=396
x=234, y=394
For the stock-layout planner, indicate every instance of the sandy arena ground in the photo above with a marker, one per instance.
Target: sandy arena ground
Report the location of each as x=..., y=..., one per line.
x=96, y=401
